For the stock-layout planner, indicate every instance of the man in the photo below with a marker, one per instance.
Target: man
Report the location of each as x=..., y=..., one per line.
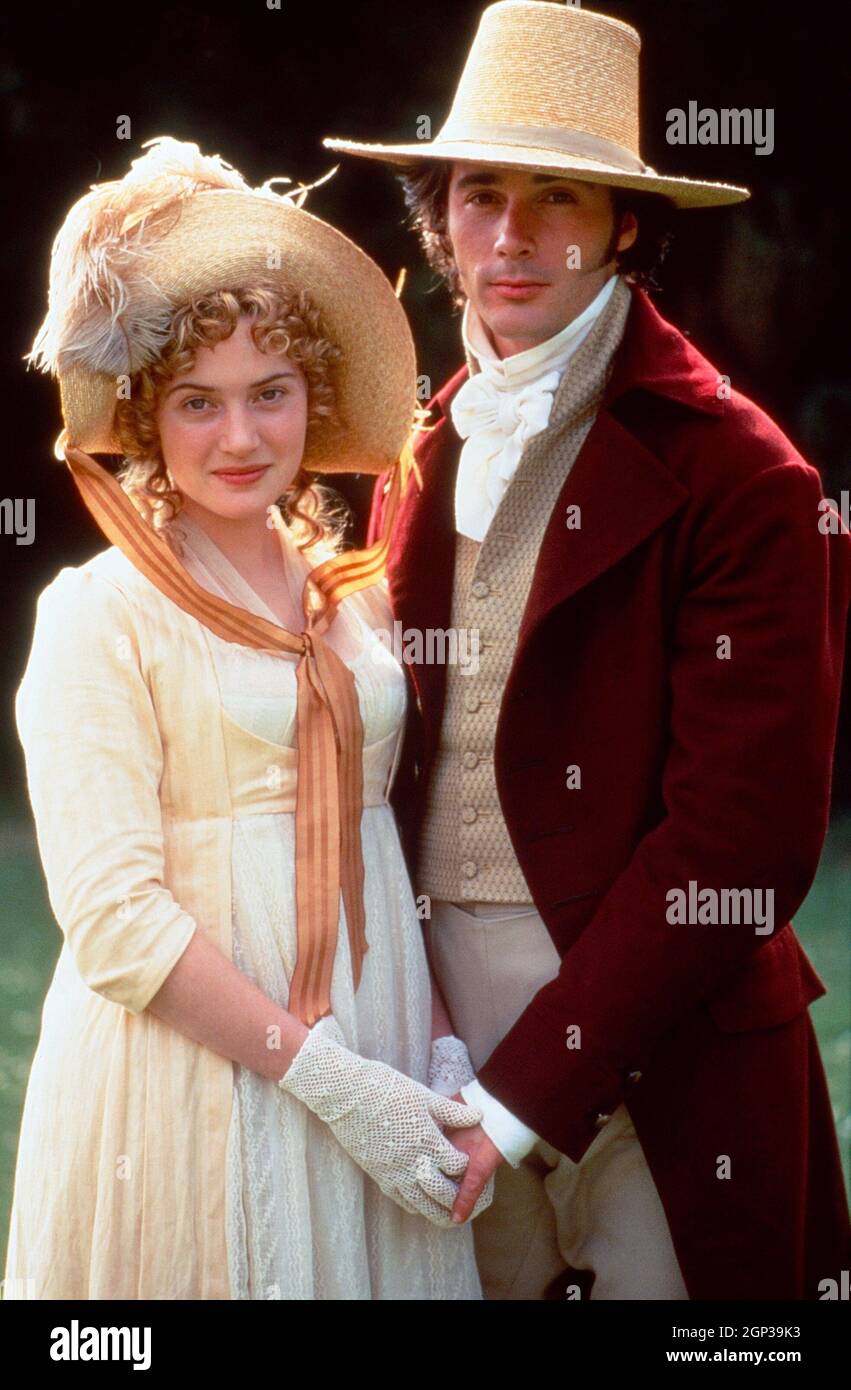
x=616, y=813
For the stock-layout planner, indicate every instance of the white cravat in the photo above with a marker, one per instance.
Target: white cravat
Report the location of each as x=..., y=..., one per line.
x=500, y=407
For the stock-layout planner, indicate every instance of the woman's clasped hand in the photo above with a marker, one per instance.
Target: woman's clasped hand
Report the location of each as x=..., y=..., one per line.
x=387, y=1122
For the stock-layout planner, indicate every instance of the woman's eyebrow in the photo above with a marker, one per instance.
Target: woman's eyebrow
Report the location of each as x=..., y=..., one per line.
x=195, y=386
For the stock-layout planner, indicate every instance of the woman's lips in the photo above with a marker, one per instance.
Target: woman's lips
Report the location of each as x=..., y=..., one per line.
x=242, y=479
x=519, y=291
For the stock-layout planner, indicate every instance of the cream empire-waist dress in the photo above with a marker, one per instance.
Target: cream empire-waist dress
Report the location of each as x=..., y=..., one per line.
x=303, y=1220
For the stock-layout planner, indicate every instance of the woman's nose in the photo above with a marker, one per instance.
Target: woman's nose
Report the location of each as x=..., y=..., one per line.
x=239, y=432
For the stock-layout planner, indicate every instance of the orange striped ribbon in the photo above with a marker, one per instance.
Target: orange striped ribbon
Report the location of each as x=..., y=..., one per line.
x=329, y=796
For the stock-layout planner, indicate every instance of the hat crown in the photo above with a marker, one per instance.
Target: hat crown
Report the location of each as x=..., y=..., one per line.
x=549, y=86
x=549, y=66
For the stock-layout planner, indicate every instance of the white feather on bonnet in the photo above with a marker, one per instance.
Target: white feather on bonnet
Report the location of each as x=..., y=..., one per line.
x=94, y=318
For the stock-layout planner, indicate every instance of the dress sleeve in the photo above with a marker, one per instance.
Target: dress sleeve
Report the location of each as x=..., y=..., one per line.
x=94, y=761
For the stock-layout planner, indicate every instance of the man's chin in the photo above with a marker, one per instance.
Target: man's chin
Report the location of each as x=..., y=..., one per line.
x=517, y=326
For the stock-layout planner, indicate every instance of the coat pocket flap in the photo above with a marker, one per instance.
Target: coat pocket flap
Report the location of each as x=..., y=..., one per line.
x=776, y=985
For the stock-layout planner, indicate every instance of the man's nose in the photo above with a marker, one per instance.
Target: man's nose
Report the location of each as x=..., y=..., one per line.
x=239, y=432
x=514, y=234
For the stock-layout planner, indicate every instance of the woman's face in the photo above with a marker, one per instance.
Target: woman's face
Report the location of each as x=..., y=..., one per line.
x=232, y=428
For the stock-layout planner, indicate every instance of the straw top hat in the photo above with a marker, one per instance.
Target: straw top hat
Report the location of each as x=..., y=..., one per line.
x=550, y=86
x=181, y=224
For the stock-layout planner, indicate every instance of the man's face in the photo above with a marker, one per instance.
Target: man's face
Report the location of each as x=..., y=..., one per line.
x=532, y=249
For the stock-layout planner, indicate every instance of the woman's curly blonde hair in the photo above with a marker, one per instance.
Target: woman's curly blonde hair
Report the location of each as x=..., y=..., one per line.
x=281, y=323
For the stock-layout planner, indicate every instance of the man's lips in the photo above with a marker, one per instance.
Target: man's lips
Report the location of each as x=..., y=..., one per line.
x=517, y=289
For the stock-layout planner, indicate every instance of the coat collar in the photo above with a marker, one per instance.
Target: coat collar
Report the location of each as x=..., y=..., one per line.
x=654, y=356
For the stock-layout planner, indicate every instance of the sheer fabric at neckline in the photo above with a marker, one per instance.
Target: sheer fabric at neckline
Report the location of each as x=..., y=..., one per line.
x=212, y=568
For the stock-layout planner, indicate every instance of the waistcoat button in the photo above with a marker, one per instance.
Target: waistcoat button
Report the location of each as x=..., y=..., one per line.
x=471, y=702
x=480, y=589
x=471, y=759
x=469, y=869
x=469, y=814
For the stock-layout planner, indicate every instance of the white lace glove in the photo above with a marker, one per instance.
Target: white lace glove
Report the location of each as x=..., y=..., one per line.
x=387, y=1122
x=450, y=1067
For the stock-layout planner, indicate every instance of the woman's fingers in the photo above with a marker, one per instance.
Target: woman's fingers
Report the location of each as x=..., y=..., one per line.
x=453, y=1115
x=435, y=1182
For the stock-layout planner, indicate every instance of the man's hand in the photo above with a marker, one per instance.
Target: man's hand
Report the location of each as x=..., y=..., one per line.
x=484, y=1158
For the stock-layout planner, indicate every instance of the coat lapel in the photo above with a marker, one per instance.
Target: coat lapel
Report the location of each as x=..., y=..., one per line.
x=623, y=494
x=624, y=491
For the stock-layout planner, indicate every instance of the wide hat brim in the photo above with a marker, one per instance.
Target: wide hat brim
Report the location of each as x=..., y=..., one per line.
x=682, y=192
x=224, y=238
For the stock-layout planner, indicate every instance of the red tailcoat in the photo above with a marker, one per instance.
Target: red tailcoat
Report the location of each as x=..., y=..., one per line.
x=699, y=520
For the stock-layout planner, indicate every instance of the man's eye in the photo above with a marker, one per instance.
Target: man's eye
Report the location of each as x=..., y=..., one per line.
x=474, y=196
x=562, y=195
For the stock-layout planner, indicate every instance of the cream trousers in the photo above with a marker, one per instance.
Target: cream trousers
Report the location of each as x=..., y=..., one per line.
x=602, y=1214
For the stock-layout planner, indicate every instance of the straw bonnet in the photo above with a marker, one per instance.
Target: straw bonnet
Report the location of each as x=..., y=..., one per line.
x=181, y=224
x=550, y=86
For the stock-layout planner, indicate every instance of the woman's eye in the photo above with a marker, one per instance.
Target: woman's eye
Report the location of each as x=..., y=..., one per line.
x=272, y=393
x=195, y=401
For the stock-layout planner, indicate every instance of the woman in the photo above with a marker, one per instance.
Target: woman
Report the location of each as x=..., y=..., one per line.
x=228, y=1097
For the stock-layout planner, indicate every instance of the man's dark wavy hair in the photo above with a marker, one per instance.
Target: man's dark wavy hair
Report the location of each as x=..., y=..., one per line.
x=426, y=189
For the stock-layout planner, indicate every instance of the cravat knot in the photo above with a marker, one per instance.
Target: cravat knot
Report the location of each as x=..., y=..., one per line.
x=496, y=422
x=481, y=404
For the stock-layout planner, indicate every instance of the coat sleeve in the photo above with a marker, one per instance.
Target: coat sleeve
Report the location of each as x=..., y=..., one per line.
x=746, y=791
x=94, y=760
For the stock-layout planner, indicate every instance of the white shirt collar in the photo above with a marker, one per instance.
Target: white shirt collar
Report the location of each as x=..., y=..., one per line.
x=523, y=367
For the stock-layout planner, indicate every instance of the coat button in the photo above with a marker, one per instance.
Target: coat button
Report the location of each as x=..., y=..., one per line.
x=634, y=1076
x=471, y=702
x=480, y=589
x=601, y=1120
x=470, y=759
x=469, y=869
x=468, y=814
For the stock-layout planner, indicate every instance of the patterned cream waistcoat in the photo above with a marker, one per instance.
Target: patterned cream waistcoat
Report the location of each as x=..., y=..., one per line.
x=465, y=852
